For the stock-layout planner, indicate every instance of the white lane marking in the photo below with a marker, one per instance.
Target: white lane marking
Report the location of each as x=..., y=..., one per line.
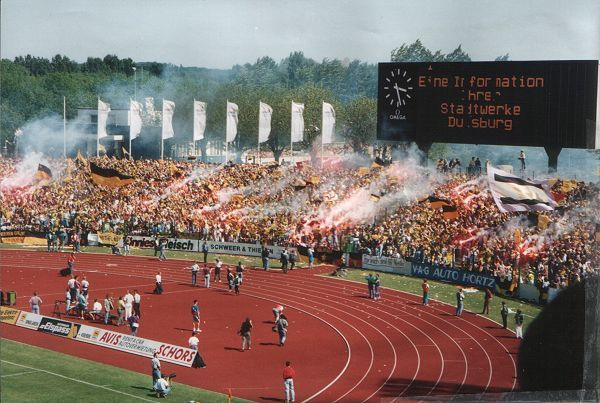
x=19, y=373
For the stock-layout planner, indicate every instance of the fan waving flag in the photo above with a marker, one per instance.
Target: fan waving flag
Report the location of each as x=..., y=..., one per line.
x=43, y=173
x=264, y=122
x=167, y=122
x=199, y=120
x=109, y=177
x=512, y=193
x=328, y=124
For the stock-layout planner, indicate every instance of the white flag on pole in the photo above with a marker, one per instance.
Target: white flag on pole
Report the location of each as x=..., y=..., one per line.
x=297, y=122
x=199, y=119
x=167, y=119
x=232, y=121
x=328, y=124
x=264, y=122
x=103, y=109
x=135, y=119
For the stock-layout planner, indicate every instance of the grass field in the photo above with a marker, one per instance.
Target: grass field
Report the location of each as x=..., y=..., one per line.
x=32, y=374
x=447, y=293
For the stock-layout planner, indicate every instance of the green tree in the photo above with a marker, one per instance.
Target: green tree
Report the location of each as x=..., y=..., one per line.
x=359, y=122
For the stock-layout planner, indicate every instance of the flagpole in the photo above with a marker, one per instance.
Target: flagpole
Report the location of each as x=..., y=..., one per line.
x=161, y=146
x=130, y=117
x=259, y=112
x=226, y=150
x=98, y=138
x=64, y=126
x=292, y=136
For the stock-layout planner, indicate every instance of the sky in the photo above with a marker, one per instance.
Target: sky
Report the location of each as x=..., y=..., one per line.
x=222, y=33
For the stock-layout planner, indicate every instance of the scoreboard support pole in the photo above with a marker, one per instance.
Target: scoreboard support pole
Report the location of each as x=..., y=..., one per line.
x=553, y=153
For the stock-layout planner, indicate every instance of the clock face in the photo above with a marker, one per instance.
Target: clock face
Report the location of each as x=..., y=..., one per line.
x=397, y=88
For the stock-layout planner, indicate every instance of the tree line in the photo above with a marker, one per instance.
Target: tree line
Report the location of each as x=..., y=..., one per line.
x=33, y=87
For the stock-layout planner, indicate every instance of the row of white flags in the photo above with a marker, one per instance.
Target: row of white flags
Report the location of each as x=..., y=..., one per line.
x=264, y=121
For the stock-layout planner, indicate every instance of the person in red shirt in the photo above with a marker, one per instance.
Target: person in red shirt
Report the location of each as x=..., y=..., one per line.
x=288, y=382
x=486, y=301
x=425, y=287
x=71, y=264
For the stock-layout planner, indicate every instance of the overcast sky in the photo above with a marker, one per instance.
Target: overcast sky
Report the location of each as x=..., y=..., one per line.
x=221, y=33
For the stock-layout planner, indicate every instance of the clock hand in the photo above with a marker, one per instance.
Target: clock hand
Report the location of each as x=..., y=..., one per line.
x=402, y=89
x=397, y=93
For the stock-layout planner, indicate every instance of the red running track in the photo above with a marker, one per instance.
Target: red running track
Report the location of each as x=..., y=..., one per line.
x=344, y=346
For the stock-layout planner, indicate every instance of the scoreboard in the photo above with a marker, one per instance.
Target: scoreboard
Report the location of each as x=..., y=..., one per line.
x=531, y=103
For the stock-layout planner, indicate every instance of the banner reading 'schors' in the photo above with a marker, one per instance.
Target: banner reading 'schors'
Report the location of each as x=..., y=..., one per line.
x=100, y=337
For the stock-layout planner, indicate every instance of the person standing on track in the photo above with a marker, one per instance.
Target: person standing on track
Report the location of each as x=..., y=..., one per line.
x=128, y=300
x=370, y=285
x=376, y=287
x=245, y=331
x=206, y=271
x=108, y=307
x=281, y=326
x=194, y=269
x=288, y=382
x=85, y=286
x=237, y=281
x=284, y=261
x=460, y=301
x=193, y=344
x=67, y=302
x=277, y=312
x=311, y=257
x=486, y=301
x=425, y=287
x=504, y=314
x=121, y=312
x=195, y=317
x=134, y=324
x=230, y=279
x=35, y=302
x=239, y=269
x=158, y=289
x=217, y=276
x=137, y=299
x=71, y=264
x=292, y=259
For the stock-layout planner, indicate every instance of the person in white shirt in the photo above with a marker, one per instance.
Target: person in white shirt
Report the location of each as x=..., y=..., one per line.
x=158, y=289
x=193, y=342
x=85, y=286
x=96, y=311
x=195, y=269
x=163, y=387
x=128, y=299
x=137, y=298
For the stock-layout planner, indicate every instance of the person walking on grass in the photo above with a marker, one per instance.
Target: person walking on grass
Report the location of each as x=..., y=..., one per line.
x=156, y=375
x=486, y=301
x=35, y=302
x=245, y=331
x=519, y=324
x=196, y=317
x=288, y=382
x=460, y=302
x=504, y=314
x=205, y=252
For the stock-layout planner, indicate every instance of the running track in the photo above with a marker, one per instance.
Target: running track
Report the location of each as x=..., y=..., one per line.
x=344, y=346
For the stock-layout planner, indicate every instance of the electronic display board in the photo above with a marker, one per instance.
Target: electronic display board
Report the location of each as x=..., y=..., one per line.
x=531, y=103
